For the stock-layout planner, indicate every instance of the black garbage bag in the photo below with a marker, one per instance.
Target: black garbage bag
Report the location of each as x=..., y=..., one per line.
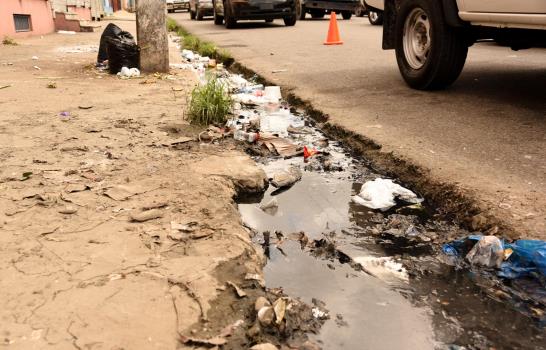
x=111, y=31
x=122, y=53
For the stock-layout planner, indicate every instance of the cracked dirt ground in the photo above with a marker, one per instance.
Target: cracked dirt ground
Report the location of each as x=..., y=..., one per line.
x=75, y=272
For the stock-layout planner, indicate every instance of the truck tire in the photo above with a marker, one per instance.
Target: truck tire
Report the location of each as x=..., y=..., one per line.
x=218, y=20
x=290, y=21
x=301, y=11
x=375, y=18
x=346, y=15
x=429, y=53
x=192, y=14
x=229, y=21
x=198, y=14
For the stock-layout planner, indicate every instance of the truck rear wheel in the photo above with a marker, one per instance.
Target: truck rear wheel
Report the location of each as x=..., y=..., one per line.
x=229, y=21
x=290, y=21
x=430, y=54
x=346, y=14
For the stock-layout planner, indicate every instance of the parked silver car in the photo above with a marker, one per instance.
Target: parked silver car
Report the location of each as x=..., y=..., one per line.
x=200, y=9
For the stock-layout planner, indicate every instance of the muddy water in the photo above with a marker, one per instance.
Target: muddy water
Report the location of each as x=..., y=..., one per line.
x=431, y=305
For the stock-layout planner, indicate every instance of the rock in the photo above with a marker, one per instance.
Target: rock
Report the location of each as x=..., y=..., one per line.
x=260, y=303
x=146, y=215
x=286, y=178
x=69, y=209
x=266, y=315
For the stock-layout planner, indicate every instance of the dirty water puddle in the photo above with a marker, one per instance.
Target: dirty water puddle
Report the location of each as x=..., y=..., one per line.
x=406, y=297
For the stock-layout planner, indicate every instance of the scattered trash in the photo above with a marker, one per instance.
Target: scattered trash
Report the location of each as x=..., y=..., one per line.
x=319, y=314
x=381, y=194
x=69, y=32
x=35, y=58
x=382, y=267
x=177, y=141
x=4, y=86
x=118, y=47
x=487, y=252
x=85, y=107
x=128, y=72
x=279, y=71
x=26, y=175
x=36, y=67
x=286, y=178
x=146, y=215
x=239, y=291
x=522, y=258
x=241, y=135
x=64, y=116
x=52, y=85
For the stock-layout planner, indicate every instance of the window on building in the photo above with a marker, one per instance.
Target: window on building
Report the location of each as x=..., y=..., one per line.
x=22, y=23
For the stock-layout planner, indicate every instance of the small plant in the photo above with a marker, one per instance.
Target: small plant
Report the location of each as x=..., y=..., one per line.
x=9, y=41
x=206, y=48
x=209, y=104
x=191, y=42
x=172, y=26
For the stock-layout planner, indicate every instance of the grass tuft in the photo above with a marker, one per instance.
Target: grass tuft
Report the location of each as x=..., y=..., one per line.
x=9, y=41
x=209, y=104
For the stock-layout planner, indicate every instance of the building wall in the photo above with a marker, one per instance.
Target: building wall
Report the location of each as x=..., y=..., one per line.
x=83, y=13
x=41, y=17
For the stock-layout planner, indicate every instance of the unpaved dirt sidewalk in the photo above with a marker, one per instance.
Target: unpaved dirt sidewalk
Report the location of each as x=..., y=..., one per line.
x=76, y=272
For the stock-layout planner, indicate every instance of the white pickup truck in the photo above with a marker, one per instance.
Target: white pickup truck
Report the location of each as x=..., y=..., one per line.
x=431, y=37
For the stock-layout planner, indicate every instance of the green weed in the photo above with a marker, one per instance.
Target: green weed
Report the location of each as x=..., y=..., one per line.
x=209, y=104
x=9, y=41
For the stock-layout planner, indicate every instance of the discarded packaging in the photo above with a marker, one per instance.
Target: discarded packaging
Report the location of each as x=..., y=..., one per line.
x=239, y=291
x=129, y=72
x=280, y=309
x=286, y=178
x=381, y=194
x=487, y=252
x=523, y=258
x=241, y=135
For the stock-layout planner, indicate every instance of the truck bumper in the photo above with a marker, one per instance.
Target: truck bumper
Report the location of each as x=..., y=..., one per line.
x=244, y=10
x=333, y=5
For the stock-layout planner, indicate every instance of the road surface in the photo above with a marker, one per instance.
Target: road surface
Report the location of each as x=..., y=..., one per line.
x=487, y=133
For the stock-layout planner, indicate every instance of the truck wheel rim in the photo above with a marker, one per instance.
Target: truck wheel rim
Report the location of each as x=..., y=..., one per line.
x=373, y=16
x=416, y=39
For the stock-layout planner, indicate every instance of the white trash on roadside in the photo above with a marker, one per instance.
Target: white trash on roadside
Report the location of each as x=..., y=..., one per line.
x=488, y=252
x=382, y=267
x=381, y=194
x=129, y=73
x=275, y=123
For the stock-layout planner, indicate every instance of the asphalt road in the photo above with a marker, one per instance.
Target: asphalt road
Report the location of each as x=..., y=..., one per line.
x=487, y=133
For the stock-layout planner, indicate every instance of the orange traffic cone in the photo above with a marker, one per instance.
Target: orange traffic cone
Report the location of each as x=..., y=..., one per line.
x=333, y=33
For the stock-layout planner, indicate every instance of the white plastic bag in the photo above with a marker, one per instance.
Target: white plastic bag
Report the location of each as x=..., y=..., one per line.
x=380, y=194
x=488, y=252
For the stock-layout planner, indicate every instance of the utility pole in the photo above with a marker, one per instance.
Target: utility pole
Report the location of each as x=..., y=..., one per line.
x=152, y=35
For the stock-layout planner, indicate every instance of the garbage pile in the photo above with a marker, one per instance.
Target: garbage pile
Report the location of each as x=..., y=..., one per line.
x=119, y=52
x=522, y=258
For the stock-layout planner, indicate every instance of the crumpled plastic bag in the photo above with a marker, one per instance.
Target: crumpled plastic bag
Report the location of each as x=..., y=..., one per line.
x=129, y=72
x=381, y=194
x=488, y=252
